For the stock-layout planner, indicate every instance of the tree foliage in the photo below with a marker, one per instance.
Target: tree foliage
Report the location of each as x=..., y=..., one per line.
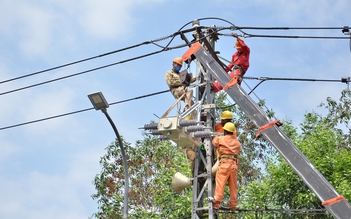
x=151, y=165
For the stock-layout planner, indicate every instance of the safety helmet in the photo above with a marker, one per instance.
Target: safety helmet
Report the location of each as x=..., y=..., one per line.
x=229, y=127
x=178, y=60
x=226, y=115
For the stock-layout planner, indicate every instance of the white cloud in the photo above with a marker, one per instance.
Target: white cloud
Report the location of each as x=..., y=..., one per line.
x=7, y=148
x=108, y=19
x=47, y=104
x=35, y=29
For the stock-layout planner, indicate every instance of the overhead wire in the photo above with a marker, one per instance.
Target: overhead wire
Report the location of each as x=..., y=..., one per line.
x=83, y=72
x=289, y=28
x=148, y=95
x=84, y=60
x=82, y=110
x=164, y=48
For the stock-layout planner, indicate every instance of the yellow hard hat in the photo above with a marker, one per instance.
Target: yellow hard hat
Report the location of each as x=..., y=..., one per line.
x=226, y=115
x=229, y=127
x=178, y=60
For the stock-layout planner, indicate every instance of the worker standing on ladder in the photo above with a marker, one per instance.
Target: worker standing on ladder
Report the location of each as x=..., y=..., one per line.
x=240, y=62
x=226, y=116
x=229, y=148
x=176, y=86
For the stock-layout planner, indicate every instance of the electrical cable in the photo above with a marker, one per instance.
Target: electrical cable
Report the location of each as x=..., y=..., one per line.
x=99, y=56
x=247, y=35
x=297, y=79
x=84, y=60
x=166, y=48
x=160, y=92
x=79, y=111
x=90, y=70
x=83, y=72
x=301, y=37
x=291, y=28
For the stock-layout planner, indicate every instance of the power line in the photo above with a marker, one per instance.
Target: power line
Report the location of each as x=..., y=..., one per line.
x=289, y=28
x=233, y=27
x=248, y=35
x=166, y=48
x=83, y=72
x=160, y=92
x=342, y=80
x=301, y=37
x=80, y=111
x=84, y=60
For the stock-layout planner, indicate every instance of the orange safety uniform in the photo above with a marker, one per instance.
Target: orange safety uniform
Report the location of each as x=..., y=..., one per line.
x=219, y=128
x=229, y=148
x=240, y=62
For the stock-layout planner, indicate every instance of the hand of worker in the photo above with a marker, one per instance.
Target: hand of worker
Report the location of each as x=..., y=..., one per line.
x=193, y=79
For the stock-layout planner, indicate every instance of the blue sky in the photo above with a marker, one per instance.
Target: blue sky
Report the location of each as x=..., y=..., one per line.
x=47, y=168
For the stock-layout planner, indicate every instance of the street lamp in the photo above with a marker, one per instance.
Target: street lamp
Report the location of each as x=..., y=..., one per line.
x=99, y=102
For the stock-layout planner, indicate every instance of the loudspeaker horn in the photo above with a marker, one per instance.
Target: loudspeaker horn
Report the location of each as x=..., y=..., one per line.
x=179, y=182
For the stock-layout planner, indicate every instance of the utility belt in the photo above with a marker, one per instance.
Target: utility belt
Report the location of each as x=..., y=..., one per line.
x=231, y=157
x=241, y=70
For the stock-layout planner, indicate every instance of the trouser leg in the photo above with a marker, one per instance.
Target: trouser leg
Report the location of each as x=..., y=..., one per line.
x=221, y=179
x=188, y=98
x=232, y=181
x=239, y=74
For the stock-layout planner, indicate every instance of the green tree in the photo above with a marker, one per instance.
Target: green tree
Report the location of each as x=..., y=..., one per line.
x=151, y=165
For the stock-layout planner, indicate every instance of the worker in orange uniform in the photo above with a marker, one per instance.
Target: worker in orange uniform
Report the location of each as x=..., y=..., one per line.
x=240, y=62
x=226, y=116
x=229, y=148
x=176, y=86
